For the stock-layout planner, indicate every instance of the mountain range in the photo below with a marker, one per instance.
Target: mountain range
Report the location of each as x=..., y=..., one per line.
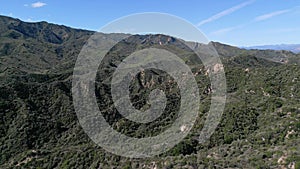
x=289, y=47
x=39, y=128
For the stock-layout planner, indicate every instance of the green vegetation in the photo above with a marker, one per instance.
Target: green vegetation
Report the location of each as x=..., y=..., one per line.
x=39, y=128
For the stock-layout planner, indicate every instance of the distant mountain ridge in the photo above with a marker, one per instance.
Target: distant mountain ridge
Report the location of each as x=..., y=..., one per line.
x=289, y=47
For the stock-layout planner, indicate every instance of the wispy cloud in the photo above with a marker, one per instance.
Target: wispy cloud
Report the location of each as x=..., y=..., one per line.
x=256, y=19
x=37, y=4
x=229, y=29
x=225, y=12
x=271, y=15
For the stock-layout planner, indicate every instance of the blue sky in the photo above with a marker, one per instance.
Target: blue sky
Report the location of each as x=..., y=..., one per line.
x=234, y=22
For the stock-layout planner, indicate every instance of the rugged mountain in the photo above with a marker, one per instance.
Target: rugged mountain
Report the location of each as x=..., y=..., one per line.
x=39, y=128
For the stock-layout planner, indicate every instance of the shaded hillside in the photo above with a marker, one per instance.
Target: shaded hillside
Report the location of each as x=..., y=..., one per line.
x=39, y=128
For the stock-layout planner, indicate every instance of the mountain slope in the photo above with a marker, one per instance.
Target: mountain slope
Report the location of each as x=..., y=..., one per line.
x=39, y=128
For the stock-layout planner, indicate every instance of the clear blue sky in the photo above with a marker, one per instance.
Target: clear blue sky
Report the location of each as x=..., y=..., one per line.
x=235, y=22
